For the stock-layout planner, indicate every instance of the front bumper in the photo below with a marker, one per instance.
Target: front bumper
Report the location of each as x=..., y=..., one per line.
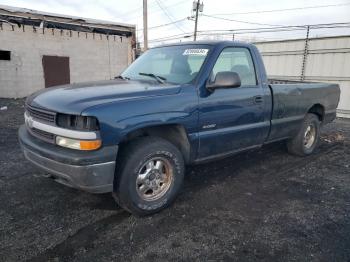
x=91, y=171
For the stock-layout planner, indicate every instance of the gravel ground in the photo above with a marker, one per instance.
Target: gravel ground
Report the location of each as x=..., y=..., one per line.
x=262, y=205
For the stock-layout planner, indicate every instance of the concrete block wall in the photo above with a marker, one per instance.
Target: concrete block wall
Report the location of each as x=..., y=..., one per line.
x=91, y=56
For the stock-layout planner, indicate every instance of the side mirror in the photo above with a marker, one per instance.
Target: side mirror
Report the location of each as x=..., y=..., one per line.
x=225, y=79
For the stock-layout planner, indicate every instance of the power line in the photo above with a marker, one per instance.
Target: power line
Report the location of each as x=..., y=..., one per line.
x=282, y=10
x=172, y=37
x=133, y=10
x=168, y=15
x=139, y=8
x=238, y=21
x=137, y=11
x=253, y=30
x=186, y=18
x=328, y=25
x=167, y=24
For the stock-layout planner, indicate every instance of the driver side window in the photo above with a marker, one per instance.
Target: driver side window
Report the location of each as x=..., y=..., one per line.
x=239, y=60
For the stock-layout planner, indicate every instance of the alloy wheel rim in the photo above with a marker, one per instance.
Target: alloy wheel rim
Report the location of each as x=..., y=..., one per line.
x=154, y=179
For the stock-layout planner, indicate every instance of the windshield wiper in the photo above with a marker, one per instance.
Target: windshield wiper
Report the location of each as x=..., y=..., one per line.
x=122, y=77
x=160, y=79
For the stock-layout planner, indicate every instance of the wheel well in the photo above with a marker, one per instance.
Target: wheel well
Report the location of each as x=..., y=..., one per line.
x=175, y=134
x=318, y=110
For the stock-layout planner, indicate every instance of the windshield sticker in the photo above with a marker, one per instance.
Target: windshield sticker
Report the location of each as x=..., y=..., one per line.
x=197, y=51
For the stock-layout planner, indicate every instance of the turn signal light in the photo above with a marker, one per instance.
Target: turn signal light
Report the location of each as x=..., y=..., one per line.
x=90, y=145
x=78, y=144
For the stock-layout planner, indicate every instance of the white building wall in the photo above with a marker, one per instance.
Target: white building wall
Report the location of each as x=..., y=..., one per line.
x=91, y=57
x=328, y=60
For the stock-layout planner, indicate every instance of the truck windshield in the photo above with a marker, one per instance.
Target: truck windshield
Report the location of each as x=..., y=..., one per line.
x=172, y=64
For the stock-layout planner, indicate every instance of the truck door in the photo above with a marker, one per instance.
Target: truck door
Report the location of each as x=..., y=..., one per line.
x=231, y=119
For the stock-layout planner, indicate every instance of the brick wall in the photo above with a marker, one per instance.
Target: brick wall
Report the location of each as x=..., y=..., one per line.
x=92, y=57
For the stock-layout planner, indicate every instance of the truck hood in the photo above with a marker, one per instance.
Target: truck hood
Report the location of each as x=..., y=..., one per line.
x=75, y=98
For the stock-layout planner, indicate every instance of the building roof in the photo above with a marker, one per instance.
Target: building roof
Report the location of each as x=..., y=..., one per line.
x=23, y=16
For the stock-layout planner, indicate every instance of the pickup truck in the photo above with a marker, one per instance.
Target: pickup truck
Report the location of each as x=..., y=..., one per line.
x=176, y=105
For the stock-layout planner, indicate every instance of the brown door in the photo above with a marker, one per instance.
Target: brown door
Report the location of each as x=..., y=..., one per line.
x=56, y=70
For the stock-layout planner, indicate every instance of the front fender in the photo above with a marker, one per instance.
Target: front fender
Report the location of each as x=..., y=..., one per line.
x=118, y=119
x=127, y=125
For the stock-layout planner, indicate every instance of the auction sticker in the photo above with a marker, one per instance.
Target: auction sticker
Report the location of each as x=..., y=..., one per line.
x=196, y=51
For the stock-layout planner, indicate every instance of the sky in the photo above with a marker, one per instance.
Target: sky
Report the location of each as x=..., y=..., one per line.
x=246, y=13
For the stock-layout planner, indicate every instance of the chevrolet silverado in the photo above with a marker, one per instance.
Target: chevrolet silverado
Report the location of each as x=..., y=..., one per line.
x=176, y=105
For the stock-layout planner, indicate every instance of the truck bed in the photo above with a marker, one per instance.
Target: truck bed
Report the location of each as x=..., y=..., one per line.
x=273, y=81
x=293, y=99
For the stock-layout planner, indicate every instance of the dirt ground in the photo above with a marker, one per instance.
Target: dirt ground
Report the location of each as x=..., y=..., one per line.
x=263, y=205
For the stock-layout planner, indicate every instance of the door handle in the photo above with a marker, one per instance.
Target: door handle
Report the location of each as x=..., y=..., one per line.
x=258, y=99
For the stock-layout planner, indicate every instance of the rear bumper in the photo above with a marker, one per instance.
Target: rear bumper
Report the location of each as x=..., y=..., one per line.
x=91, y=171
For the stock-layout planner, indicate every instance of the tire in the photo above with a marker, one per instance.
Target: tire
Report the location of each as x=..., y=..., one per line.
x=141, y=167
x=302, y=145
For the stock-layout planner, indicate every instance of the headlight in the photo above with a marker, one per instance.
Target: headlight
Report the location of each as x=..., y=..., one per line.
x=78, y=144
x=75, y=122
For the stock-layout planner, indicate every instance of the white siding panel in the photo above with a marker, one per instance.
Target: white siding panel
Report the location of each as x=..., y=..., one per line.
x=328, y=61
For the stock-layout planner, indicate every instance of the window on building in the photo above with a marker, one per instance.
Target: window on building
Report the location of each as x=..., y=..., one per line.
x=5, y=55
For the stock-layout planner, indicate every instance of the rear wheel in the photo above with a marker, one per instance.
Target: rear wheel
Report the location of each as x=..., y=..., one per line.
x=149, y=175
x=305, y=142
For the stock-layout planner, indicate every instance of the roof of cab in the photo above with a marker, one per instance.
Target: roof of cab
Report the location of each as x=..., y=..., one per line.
x=207, y=42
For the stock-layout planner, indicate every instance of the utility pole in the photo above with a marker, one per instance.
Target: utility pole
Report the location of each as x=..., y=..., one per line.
x=305, y=55
x=198, y=7
x=145, y=26
x=196, y=22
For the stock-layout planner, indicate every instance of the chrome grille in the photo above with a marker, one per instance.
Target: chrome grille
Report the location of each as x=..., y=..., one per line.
x=40, y=114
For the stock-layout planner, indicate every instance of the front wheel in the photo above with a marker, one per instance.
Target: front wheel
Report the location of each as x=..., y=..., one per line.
x=149, y=175
x=305, y=142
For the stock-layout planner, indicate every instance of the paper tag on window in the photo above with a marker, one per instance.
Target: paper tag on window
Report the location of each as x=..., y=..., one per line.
x=199, y=52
